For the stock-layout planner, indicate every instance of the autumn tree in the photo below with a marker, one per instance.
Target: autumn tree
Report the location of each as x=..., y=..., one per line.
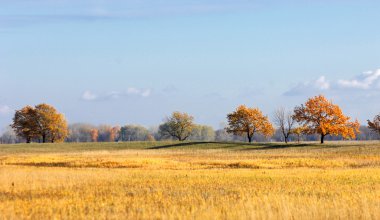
x=58, y=130
x=94, y=135
x=249, y=121
x=24, y=123
x=321, y=116
x=178, y=125
x=42, y=121
x=375, y=124
x=50, y=124
x=285, y=122
x=298, y=131
x=115, y=133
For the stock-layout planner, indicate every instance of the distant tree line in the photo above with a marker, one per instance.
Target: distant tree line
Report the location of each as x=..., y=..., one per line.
x=318, y=119
x=106, y=133
x=8, y=136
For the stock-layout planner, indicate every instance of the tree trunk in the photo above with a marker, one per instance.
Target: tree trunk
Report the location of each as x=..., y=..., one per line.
x=28, y=140
x=249, y=137
x=44, y=138
x=286, y=140
x=322, y=138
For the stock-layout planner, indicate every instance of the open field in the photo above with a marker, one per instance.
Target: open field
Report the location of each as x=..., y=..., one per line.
x=171, y=180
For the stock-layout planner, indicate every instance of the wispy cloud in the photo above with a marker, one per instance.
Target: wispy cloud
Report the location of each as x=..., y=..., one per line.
x=314, y=86
x=130, y=92
x=367, y=81
x=89, y=96
x=25, y=12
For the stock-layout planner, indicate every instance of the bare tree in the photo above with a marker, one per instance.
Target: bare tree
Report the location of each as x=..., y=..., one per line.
x=285, y=122
x=375, y=124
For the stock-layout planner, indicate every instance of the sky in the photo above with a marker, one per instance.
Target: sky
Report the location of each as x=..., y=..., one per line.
x=136, y=61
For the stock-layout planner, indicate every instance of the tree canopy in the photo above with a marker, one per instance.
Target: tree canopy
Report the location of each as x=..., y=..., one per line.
x=179, y=125
x=321, y=116
x=41, y=122
x=248, y=121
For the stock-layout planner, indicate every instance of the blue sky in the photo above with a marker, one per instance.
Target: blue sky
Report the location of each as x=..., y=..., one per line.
x=119, y=62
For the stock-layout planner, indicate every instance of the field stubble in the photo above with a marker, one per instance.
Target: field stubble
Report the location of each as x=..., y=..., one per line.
x=190, y=181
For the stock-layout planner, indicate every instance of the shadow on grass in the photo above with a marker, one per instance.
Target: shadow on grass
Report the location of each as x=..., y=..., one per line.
x=313, y=146
x=276, y=146
x=184, y=144
x=231, y=145
x=212, y=145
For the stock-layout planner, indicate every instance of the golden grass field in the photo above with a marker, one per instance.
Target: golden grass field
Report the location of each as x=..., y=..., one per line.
x=171, y=180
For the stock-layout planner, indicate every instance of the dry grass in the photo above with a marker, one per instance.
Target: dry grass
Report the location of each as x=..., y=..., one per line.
x=191, y=181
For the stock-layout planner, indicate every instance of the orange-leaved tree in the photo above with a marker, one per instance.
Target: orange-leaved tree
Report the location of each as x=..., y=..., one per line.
x=248, y=121
x=321, y=116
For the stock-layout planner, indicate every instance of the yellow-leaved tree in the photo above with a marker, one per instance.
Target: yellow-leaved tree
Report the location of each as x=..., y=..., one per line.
x=51, y=125
x=58, y=128
x=248, y=121
x=321, y=116
x=298, y=131
x=42, y=122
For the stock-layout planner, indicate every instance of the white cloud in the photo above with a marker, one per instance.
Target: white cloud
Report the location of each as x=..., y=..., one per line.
x=89, y=96
x=5, y=110
x=367, y=80
x=322, y=84
x=133, y=91
x=130, y=92
x=317, y=85
x=146, y=93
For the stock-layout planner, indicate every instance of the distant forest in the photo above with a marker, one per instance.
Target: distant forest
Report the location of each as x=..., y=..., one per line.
x=106, y=133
